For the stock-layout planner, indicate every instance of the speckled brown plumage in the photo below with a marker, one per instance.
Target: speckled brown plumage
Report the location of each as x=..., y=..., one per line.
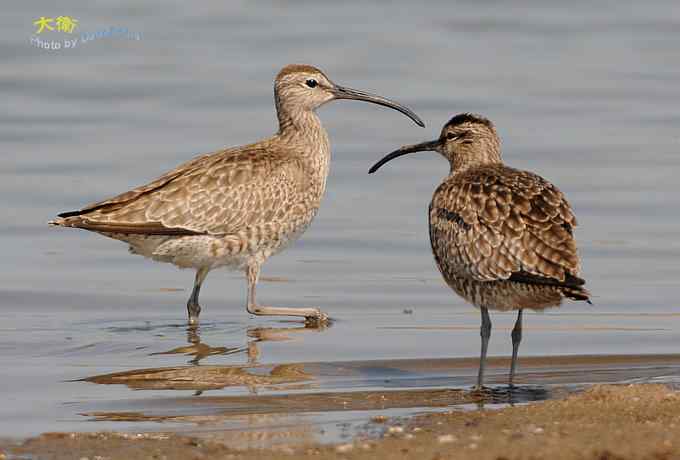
x=266, y=186
x=502, y=238
x=513, y=229
x=235, y=207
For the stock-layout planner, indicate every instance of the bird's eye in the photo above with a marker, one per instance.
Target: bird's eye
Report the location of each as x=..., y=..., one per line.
x=311, y=83
x=451, y=136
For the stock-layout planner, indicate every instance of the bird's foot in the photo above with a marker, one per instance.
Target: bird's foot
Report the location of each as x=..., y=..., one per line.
x=193, y=309
x=318, y=320
x=313, y=316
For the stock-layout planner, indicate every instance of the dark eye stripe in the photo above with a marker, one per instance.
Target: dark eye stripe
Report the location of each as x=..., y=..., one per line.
x=460, y=135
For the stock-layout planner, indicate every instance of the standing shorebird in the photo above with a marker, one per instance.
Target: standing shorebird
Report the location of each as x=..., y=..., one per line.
x=236, y=207
x=502, y=238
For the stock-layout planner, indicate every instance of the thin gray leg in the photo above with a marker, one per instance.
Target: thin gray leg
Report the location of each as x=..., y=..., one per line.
x=313, y=315
x=516, y=339
x=485, y=333
x=193, y=308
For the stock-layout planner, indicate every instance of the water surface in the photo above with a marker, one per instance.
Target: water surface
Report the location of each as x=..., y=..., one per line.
x=583, y=94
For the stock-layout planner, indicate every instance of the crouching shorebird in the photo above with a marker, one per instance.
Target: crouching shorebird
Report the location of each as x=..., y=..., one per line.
x=236, y=207
x=502, y=238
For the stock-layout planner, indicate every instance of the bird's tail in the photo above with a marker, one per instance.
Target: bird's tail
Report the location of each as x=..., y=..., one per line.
x=576, y=293
x=66, y=222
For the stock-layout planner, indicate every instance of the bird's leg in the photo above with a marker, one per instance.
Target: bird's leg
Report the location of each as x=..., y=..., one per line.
x=311, y=315
x=516, y=339
x=485, y=333
x=193, y=308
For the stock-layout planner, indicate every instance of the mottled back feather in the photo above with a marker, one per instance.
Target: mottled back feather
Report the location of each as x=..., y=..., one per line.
x=494, y=223
x=214, y=194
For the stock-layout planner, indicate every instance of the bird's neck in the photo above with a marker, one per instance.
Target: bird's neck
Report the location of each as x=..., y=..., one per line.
x=463, y=161
x=303, y=127
x=302, y=133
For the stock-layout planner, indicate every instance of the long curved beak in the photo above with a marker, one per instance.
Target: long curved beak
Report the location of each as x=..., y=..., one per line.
x=422, y=147
x=340, y=92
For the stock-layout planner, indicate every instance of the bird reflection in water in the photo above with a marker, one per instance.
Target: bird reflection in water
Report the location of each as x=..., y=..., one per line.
x=200, y=377
x=198, y=349
x=510, y=395
x=275, y=334
x=263, y=429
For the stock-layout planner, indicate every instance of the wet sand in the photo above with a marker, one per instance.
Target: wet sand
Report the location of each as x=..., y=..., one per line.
x=292, y=405
x=604, y=422
x=302, y=403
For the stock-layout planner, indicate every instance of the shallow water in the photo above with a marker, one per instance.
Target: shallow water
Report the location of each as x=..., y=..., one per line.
x=585, y=95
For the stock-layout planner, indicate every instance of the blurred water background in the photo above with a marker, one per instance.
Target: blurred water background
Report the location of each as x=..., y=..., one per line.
x=585, y=94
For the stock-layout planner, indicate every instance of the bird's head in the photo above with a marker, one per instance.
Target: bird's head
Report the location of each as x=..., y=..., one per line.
x=301, y=87
x=467, y=140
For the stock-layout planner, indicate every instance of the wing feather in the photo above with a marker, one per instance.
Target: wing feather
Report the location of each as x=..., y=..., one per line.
x=514, y=223
x=216, y=194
